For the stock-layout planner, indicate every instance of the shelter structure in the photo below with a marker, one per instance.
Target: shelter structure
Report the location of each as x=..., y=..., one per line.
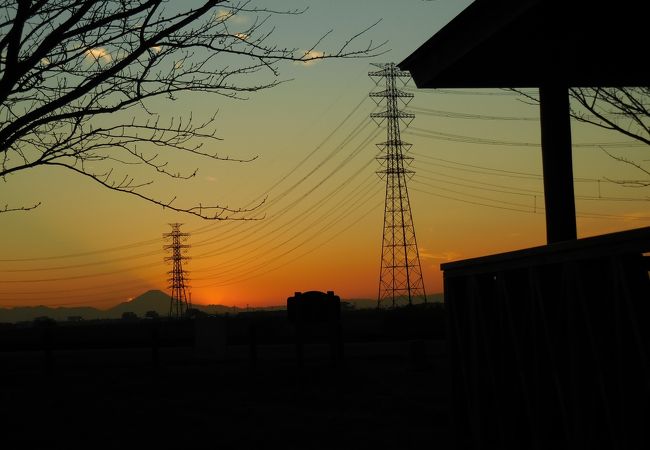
x=548, y=344
x=547, y=44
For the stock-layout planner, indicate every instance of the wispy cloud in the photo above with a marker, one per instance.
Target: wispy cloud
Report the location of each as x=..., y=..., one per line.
x=99, y=54
x=310, y=57
x=231, y=16
x=446, y=256
x=210, y=179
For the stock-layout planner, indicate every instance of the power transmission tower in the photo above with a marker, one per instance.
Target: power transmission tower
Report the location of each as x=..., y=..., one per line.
x=179, y=304
x=400, y=276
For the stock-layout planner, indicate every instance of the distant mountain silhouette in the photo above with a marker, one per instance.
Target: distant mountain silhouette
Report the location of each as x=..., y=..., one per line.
x=153, y=300
x=29, y=313
x=368, y=303
x=159, y=301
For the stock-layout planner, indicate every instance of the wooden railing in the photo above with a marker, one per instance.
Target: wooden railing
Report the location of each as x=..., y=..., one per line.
x=549, y=345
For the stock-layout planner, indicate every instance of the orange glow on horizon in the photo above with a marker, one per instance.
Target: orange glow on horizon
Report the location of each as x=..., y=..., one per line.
x=313, y=196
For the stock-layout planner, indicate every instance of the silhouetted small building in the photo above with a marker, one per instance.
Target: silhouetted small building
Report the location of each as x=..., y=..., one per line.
x=129, y=315
x=314, y=306
x=312, y=310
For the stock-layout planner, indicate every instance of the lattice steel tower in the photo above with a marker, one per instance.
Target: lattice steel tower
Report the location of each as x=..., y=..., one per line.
x=179, y=303
x=400, y=276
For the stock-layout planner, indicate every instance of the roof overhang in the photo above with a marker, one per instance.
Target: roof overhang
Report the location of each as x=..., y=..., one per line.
x=528, y=43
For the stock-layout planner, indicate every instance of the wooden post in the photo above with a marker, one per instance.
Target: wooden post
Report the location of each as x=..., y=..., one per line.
x=559, y=198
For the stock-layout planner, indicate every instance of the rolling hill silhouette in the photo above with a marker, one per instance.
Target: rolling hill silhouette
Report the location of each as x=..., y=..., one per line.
x=153, y=300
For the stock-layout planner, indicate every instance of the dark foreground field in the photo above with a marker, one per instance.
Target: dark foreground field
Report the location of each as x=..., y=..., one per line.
x=387, y=392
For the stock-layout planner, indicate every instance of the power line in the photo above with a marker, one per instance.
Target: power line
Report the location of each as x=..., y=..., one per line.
x=319, y=146
x=537, y=210
x=250, y=239
x=331, y=221
x=127, y=285
x=79, y=277
x=279, y=266
x=430, y=134
x=482, y=188
x=347, y=139
x=473, y=168
x=294, y=222
x=87, y=264
x=480, y=197
x=483, y=92
x=136, y=244
x=520, y=191
x=471, y=202
x=460, y=115
x=267, y=191
x=354, y=133
x=295, y=202
x=89, y=253
x=491, y=170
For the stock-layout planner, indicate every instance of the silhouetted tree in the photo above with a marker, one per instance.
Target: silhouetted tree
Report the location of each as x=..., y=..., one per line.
x=66, y=65
x=625, y=110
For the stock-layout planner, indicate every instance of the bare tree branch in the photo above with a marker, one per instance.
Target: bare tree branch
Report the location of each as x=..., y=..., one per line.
x=70, y=69
x=628, y=183
x=7, y=208
x=625, y=110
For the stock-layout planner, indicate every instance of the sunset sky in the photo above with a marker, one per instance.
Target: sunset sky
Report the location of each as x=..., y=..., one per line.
x=477, y=189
